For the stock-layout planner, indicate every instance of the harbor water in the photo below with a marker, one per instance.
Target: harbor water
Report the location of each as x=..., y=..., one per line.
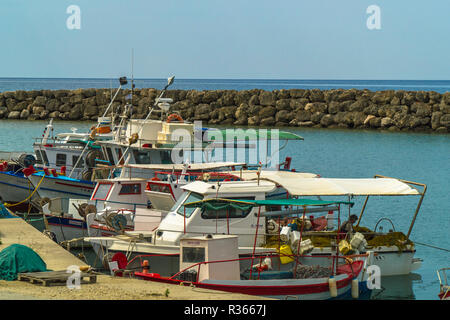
x=418, y=157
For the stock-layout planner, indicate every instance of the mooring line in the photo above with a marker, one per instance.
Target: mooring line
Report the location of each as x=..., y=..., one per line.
x=429, y=245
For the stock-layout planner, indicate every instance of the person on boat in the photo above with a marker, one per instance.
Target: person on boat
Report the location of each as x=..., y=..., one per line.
x=347, y=226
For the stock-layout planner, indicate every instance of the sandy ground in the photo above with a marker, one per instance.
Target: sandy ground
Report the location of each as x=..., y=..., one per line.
x=106, y=288
x=113, y=288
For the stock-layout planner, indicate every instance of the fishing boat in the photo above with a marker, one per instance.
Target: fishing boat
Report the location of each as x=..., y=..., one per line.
x=54, y=158
x=212, y=262
x=66, y=160
x=393, y=255
x=116, y=202
x=444, y=292
x=182, y=221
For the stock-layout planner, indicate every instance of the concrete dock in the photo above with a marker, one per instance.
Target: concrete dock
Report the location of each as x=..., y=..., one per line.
x=16, y=230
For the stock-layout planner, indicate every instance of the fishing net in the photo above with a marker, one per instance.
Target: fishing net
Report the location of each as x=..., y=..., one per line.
x=315, y=271
x=390, y=239
x=18, y=258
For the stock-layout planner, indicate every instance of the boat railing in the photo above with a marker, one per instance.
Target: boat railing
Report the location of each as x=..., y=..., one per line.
x=442, y=276
x=55, y=141
x=210, y=175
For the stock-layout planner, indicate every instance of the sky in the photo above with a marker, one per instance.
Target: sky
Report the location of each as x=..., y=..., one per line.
x=226, y=39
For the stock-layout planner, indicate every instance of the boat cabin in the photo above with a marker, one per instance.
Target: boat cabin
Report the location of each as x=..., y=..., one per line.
x=182, y=220
x=120, y=193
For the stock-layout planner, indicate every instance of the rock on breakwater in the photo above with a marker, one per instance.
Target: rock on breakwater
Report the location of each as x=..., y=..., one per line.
x=394, y=110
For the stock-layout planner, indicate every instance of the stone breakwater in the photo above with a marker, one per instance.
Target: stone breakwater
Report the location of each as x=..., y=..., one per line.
x=394, y=110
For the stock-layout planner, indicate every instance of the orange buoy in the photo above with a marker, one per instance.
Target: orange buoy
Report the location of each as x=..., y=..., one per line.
x=174, y=116
x=145, y=267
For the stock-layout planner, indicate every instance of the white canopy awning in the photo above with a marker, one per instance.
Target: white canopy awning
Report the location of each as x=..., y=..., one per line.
x=298, y=184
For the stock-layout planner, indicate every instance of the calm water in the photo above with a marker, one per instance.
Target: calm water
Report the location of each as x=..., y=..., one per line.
x=415, y=157
x=12, y=84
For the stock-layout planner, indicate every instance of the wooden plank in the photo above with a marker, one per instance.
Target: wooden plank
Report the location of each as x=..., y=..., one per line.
x=48, y=277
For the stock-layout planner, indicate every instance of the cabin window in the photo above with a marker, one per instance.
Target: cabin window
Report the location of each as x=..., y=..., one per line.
x=141, y=157
x=110, y=156
x=38, y=157
x=166, y=158
x=74, y=162
x=61, y=159
x=193, y=255
x=132, y=188
x=230, y=213
x=191, y=198
x=44, y=157
x=159, y=187
x=102, y=191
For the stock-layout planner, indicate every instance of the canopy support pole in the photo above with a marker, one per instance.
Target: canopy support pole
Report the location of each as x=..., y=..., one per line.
x=424, y=186
x=417, y=212
x=362, y=211
x=256, y=237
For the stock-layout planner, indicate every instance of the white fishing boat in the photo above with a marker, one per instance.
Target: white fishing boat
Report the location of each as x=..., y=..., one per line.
x=172, y=226
x=392, y=258
x=70, y=155
x=116, y=202
x=54, y=158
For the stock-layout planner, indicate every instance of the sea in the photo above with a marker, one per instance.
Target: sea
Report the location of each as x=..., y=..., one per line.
x=333, y=153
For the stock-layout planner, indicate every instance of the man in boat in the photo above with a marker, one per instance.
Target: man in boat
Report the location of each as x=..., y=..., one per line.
x=347, y=226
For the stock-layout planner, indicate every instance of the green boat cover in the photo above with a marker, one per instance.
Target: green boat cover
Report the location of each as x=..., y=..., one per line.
x=259, y=134
x=18, y=258
x=221, y=204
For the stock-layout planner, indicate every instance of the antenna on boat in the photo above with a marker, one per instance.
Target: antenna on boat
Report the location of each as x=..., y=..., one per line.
x=169, y=82
x=122, y=81
x=132, y=75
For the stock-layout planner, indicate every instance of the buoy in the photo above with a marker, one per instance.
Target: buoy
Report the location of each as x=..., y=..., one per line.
x=145, y=267
x=333, y=288
x=53, y=172
x=174, y=116
x=85, y=268
x=355, y=288
x=284, y=234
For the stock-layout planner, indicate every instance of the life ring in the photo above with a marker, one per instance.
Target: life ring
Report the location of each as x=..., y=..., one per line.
x=174, y=116
x=156, y=179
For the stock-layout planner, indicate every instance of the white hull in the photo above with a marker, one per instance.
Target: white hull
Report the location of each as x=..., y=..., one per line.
x=14, y=188
x=62, y=187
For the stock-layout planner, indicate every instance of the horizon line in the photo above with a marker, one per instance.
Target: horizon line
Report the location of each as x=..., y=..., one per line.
x=271, y=79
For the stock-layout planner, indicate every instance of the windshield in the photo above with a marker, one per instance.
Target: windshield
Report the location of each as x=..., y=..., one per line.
x=192, y=197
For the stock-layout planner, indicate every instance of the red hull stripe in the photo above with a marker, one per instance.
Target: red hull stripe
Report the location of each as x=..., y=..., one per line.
x=74, y=185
